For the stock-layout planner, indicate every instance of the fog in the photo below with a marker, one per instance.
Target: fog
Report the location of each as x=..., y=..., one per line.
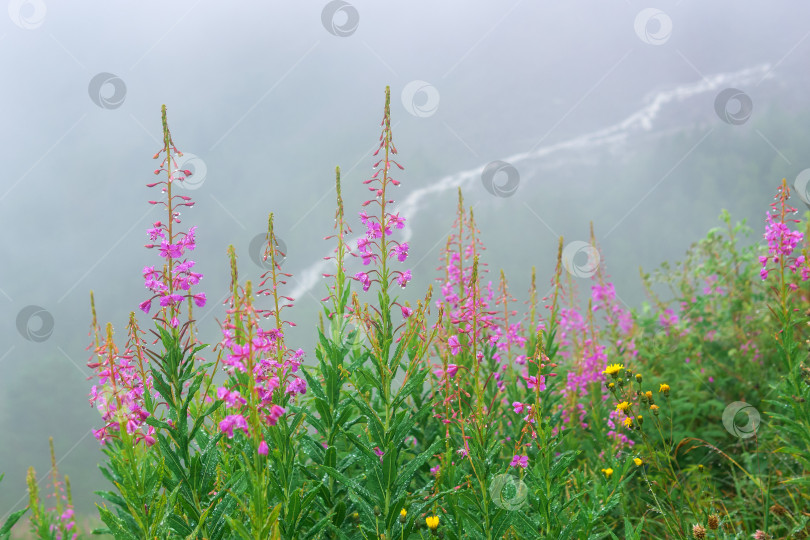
x=646, y=119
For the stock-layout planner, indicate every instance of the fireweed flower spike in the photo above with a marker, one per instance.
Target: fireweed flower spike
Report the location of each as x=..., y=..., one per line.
x=120, y=394
x=343, y=229
x=257, y=360
x=172, y=283
x=376, y=246
x=781, y=240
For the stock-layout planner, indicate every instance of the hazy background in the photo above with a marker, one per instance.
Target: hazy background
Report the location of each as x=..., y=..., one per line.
x=603, y=111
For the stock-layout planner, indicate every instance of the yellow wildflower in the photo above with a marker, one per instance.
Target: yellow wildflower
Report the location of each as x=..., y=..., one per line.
x=607, y=472
x=403, y=512
x=623, y=406
x=664, y=389
x=638, y=462
x=628, y=422
x=432, y=522
x=613, y=369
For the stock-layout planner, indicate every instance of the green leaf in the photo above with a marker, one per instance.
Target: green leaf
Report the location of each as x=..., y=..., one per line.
x=111, y=497
x=12, y=519
x=179, y=526
x=117, y=526
x=406, y=475
x=377, y=431
x=171, y=459
x=238, y=527
x=351, y=484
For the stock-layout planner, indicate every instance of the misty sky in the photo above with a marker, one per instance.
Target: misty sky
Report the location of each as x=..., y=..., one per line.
x=271, y=96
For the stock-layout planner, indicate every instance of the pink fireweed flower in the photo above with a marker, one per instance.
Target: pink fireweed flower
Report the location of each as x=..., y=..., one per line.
x=233, y=421
x=404, y=278
x=781, y=240
x=263, y=357
x=400, y=251
x=363, y=278
x=263, y=450
x=119, y=395
x=518, y=407
x=156, y=231
x=399, y=222
x=377, y=246
x=532, y=382
x=297, y=386
x=232, y=399
x=406, y=311
x=275, y=413
x=455, y=346
x=520, y=461
x=452, y=369
x=379, y=452
x=168, y=250
x=668, y=318
x=177, y=275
